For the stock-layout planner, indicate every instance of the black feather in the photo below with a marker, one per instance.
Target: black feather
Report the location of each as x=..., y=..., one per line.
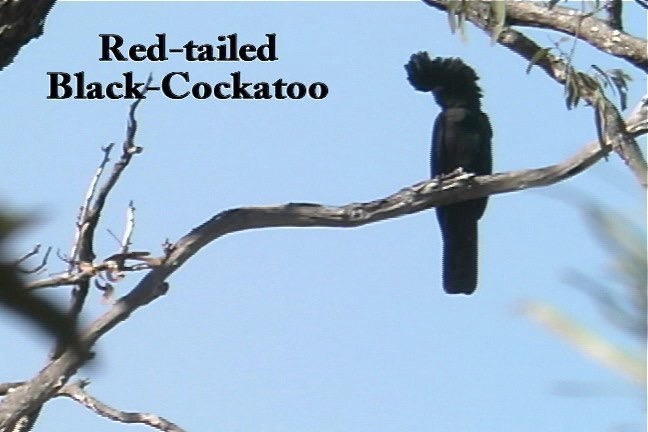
x=445, y=77
x=461, y=139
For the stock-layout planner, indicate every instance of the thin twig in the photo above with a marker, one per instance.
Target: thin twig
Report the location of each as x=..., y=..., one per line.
x=87, y=202
x=28, y=255
x=129, y=229
x=125, y=242
x=33, y=252
x=85, y=273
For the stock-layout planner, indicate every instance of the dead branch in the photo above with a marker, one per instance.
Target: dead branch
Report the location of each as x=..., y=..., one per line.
x=82, y=254
x=25, y=423
x=76, y=391
x=35, y=250
x=9, y=386
x=88, y=224
x=130, y=228
x=126, y=241
x=61, y=280
x=85, y=272
x=85, y=208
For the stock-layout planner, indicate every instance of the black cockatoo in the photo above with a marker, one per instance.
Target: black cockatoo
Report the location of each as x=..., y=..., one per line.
x=461, y=138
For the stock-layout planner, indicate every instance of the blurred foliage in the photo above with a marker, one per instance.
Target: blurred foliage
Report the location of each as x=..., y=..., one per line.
x=622, y=300
x=15, y=297
x=457, y=17
x=612, y=356
x=626, y=305
x=456, y=10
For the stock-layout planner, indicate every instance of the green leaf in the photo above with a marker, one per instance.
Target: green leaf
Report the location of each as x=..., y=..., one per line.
x=498, y=16
x=588, y=81
x=599, y=116
x=620, y=82
x=461, y=21
x=539, y=55
x=617, y=80
x=15, y=296
x=603, y=75
x=572, y=91
x=452, y=7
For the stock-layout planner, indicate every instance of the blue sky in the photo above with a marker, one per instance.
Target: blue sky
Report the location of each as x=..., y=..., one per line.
x=319, y=330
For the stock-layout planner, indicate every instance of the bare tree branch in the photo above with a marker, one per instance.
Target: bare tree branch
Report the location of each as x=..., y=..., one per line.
x=90, y=220
x=26, y=423
x=86, y=272
x=20, y=22
x=35, y=250
x=8, y=386
x=596, y=32
x=60, y=280
x=82, y=255
x=127, y=237
x=416, y=198
x=77, y=392
x=614, y=131
x=30, y=254
x=82, y=219
x=126, y=241
x=78, y=298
